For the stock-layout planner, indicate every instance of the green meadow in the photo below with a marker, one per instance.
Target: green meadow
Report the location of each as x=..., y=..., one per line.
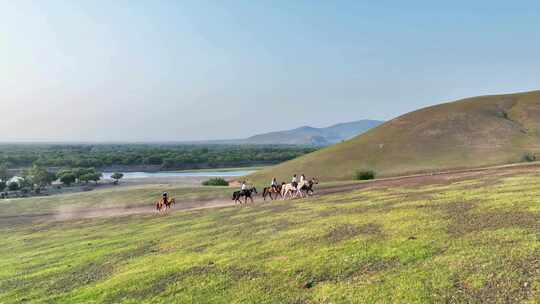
x=468, y=240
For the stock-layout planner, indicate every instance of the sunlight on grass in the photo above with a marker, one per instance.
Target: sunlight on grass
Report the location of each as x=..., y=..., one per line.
x=467, y=241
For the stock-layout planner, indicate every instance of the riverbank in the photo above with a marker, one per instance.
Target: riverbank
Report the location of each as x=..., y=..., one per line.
x=189, y=178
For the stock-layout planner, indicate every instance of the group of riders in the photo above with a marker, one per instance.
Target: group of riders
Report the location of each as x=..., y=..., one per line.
x=299, y=187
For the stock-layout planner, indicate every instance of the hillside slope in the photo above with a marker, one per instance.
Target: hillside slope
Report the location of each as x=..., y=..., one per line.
x=315, y=136
x=473, y=132
x=457, y=239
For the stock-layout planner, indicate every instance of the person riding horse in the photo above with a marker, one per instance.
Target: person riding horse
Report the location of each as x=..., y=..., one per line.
x=243, y=187
x=165, y=202
x=165, y=198
x=244, y=192
x=274, y=184
x=307, y=187
x=274, y=188
x=294, y=181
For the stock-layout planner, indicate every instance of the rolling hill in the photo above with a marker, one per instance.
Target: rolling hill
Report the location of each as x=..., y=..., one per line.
x=473, y=132
x=315, y=136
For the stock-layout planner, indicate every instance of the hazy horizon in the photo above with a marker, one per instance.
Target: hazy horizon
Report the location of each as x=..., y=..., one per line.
x=162, y=71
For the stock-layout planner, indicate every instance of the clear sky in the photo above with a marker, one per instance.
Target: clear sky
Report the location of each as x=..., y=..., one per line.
x=183, y=70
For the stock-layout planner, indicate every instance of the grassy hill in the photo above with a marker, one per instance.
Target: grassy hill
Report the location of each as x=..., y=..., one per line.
x=445, y=240
x=473, y=132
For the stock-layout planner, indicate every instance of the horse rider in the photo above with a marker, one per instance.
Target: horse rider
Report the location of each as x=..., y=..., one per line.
x=302, y=179
x=274, y=184
x=165, y=197
x=243, y=187
x=294, y=181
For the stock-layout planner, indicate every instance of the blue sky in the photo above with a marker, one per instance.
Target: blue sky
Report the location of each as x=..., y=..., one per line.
x=183, y=70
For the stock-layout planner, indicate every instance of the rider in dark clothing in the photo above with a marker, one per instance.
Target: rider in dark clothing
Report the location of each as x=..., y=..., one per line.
x=165, y=197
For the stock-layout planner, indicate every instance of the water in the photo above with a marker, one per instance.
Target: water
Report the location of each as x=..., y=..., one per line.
x=165, y=174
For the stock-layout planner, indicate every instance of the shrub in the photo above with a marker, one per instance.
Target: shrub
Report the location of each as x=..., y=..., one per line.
x=364, y=174
x=217, y=181
x=528, y=157
x=117, y=176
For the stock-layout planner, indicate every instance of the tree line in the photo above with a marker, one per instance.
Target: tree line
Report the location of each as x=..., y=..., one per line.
x=37, y=178
x=166, y=157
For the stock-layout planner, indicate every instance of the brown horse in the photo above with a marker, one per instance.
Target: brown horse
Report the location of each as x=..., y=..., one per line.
x=162, y=205
x=268, y=191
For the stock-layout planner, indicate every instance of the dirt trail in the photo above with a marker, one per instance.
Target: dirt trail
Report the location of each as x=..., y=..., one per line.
x=70, y=213
x=74, y=213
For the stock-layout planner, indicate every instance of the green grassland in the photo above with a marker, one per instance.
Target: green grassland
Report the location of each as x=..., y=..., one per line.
x=469, y=133
x=467, y=240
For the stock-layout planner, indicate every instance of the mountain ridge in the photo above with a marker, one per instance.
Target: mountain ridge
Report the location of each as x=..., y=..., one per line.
x=308, y=135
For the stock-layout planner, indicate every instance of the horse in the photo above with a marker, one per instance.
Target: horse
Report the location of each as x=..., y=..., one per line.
x=268, y=191
x=302, y=190
x=170, y=203
x=289, y=189
x=307, y=189
x=161, y=205
x=237, y=195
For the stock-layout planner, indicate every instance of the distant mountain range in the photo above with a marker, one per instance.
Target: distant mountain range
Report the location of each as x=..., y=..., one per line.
x=305, y=135
x=314, y=136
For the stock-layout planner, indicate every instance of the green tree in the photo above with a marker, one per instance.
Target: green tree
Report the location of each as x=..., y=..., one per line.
x=95, y=176
x=39, y=177
x=85, y=178
x=117, y=176
x=68, y=178
x=14, y=186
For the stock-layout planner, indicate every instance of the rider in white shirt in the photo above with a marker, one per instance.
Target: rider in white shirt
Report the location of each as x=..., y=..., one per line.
x=244, y=186
x=294, y=181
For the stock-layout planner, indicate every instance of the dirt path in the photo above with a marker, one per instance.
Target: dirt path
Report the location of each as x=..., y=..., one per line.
x=442, y=178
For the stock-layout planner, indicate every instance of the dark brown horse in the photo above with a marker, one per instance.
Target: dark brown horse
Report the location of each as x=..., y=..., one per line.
x=248, y=193
x=307, y=188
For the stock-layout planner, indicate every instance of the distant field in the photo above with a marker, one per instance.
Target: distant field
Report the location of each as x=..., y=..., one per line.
x=464, y=238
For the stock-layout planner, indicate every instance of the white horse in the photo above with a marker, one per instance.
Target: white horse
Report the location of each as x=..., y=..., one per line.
x=292, y=191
